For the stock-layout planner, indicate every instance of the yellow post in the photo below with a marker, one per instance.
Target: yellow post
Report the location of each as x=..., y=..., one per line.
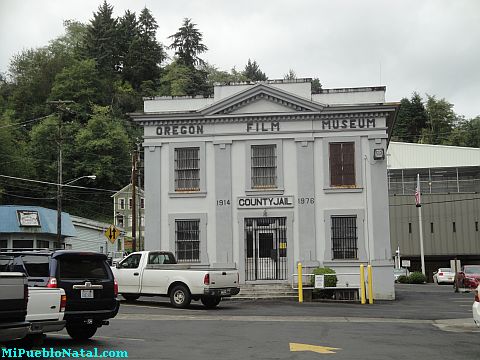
x=362, y=284
x=370, y=284
x=300, y=282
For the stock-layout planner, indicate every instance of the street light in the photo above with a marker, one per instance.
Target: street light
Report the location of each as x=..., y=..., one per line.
x=93, y=177
x=59, y=202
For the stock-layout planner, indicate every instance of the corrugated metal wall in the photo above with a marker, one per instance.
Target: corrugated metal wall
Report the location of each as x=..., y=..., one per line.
x=441, y=210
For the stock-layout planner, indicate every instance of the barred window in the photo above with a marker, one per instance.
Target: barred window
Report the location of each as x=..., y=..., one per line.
x=344, y=237
x=187, y=169
x=342, y=164
x=187, y=240
x=264, y=166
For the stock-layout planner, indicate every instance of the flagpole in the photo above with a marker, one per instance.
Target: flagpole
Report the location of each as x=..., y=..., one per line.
x=420, y=224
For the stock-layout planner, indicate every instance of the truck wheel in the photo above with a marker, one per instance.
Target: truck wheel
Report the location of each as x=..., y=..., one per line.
x=130, y=297
x=81, y=331
x=180, y=296
x=210, y=302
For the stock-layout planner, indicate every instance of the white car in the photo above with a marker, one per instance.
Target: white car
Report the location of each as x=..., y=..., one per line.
x=476, y=307
x=444, y=276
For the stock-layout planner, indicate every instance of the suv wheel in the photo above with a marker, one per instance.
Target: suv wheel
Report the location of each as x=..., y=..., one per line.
x=180, y=296
x=81, y=331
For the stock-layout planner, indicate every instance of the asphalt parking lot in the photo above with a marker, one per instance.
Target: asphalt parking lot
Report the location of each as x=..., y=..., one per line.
x=425, y=322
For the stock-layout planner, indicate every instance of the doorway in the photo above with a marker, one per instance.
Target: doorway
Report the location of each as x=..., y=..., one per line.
x=265, y=248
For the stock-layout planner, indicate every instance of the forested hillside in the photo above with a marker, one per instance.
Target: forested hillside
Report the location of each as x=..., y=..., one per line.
x=75, y=94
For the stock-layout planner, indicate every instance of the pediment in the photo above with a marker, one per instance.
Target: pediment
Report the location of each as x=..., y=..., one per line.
x=261, y=98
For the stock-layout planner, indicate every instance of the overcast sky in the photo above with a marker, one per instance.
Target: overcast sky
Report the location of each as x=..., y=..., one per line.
x=429, y=46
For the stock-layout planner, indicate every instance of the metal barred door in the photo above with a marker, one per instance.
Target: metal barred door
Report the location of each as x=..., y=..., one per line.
x=265, y=248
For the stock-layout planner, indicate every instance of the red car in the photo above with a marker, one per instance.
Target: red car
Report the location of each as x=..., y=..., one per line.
x=469, y=277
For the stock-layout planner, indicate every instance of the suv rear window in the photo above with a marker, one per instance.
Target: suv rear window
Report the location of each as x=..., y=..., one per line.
x=82, y=268
x=36, y=266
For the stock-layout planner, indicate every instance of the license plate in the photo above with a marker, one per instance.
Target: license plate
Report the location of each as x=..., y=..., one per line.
x=224, y=292
x=86, y=294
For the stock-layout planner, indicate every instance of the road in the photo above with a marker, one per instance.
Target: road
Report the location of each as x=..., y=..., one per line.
x=425, y=322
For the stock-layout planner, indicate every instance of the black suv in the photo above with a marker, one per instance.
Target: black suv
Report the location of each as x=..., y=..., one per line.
x=86, y=278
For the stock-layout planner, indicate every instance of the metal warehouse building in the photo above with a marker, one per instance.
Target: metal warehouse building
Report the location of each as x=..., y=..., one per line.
x=262, y=176
x=450, y=187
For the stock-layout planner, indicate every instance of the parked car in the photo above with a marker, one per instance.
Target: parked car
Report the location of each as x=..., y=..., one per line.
x=13, y=306
x=399, y=272
x=468, y=277
x=156, y=273
x=476, y=307
x=89, y=285
x=444, y=276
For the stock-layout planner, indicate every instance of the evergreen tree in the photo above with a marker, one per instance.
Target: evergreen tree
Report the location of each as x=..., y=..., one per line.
x=253, y=73
x=101, y=41
x=187, y=42
x=411, y=120
x=127, y=31
x=145, y=54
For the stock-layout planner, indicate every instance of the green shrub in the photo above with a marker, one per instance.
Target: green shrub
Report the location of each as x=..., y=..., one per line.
x=330, y=281
x=402, y=279
x=417, y=278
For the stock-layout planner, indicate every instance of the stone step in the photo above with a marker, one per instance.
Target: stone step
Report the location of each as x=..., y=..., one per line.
x=266, y=291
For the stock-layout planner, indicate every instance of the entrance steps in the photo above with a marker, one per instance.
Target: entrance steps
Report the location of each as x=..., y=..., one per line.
x=266, y=291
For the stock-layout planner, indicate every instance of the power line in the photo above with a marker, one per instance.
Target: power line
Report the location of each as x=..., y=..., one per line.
x=27, y=197
x=56, y=184
x=25, y=122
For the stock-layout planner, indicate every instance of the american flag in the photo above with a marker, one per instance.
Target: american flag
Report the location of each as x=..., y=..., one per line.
x=417, y=193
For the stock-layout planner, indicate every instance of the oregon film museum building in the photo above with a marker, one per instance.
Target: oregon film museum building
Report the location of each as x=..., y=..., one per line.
x=262, y=176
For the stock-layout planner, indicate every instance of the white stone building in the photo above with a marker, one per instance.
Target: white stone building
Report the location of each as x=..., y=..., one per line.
x=262, y=176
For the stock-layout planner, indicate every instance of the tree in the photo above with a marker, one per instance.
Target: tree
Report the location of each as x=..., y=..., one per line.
x=101, y=41
x=466, y=133
x=33, y=72
x=215, y=75
x=316, y=86
x=291, y=75
x=441, y=119
x=411, y=120
x=71, y=44
x=81, y=83
x=145, y=54
x=187, y=42
x=15, y=160
x=103, y=146
x=253, y=73
x=181, y=80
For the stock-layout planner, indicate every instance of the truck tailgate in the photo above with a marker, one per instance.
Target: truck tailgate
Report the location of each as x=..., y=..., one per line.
x=223, y=278
x=44, y=304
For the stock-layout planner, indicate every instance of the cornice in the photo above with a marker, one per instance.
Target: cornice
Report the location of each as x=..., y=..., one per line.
x=152, y=120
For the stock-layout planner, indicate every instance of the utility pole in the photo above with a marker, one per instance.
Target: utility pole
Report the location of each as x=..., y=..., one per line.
x=60, y=105
x=134, y=203
x=139, y=184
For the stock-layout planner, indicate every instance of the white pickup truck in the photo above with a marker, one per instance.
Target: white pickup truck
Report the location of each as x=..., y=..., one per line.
x=156, y=273
x=45, y=311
